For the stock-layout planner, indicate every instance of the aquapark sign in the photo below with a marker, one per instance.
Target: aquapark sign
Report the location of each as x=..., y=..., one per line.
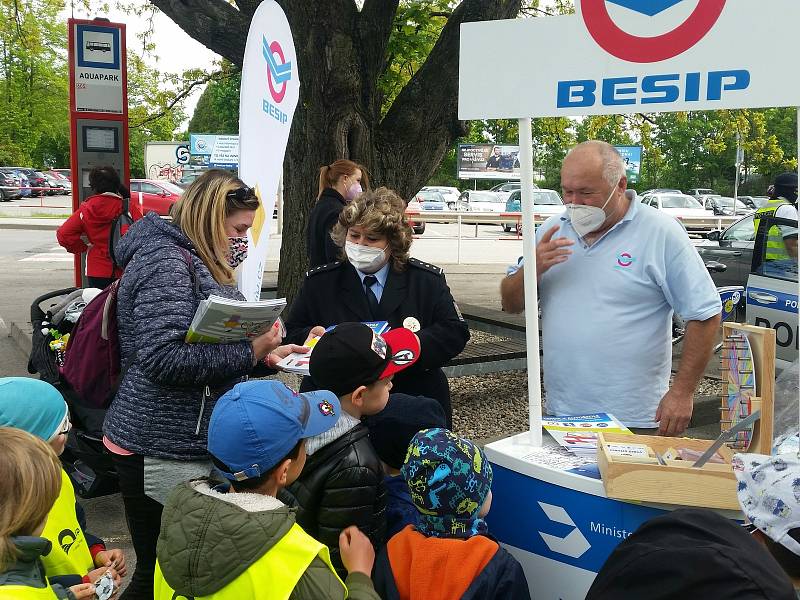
x=268, y=96
x=626, y=56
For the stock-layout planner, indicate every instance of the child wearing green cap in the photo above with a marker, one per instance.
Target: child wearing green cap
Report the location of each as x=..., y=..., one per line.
x=76, y=557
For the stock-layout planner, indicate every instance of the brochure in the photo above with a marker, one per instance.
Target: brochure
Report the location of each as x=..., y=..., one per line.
x=221, y=320
x=578, y=433
x=298, y=363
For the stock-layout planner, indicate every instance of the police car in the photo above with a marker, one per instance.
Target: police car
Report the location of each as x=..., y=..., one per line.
x=772, y=290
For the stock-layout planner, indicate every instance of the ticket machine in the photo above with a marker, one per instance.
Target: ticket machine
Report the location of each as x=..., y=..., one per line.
x=98, y=107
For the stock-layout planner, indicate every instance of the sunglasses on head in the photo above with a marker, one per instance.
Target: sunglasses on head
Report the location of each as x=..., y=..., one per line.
x=241, y=194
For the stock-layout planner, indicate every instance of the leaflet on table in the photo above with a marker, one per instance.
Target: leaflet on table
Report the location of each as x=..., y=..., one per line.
x=578, y=433
x=298, y=363
x=221, y=320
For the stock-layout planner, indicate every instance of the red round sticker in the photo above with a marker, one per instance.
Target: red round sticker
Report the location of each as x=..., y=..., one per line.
x=649, y=49
x=275, y=48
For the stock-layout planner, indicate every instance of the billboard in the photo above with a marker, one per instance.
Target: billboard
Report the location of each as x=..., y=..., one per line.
x=165, y=160
x=627, y=56
x=632, y=155
x=214, y=151
x=488, y=161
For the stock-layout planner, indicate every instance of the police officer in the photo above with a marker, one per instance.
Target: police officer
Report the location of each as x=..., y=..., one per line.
x=380, y=282
x=781, y=241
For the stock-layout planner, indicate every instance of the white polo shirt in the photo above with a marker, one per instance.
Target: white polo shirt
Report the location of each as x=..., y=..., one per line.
x=607, y=315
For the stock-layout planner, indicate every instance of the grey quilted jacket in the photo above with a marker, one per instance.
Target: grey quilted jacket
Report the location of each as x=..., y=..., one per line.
x=164, y=402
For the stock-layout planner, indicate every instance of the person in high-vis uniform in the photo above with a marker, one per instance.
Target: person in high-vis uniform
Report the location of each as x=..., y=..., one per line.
x=31, y=484
x=781, y=239
x=221, y=543
x=76, y=557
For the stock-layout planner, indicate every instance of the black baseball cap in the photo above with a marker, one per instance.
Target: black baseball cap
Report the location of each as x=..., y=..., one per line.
x=352, y=355
x=391, y=430
x=788, y=179
x=691, y=553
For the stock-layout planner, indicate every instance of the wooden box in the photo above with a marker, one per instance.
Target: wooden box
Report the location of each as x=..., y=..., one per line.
x=711, y=486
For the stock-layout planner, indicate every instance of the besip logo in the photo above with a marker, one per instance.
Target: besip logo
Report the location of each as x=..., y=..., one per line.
x=574, y=544
x=278, y=73
x=626, y=46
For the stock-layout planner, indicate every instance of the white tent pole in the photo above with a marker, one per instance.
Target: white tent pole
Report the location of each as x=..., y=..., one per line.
x=531, y=295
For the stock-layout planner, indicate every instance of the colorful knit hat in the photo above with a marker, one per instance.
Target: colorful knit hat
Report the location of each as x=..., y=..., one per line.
x=449, y=479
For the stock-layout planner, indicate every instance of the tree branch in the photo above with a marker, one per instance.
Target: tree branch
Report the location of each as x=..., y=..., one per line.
x=216, y=76
x=214, y=23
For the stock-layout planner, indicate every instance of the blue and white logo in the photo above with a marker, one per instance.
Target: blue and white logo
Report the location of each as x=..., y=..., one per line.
x=574, y=544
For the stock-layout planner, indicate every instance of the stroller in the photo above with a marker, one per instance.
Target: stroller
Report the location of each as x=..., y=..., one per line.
x=85, y=458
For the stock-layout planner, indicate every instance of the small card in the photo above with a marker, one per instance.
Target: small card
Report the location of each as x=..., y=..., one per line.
x=634, y=450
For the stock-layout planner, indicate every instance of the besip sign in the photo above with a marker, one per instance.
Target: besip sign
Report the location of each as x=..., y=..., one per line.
x=625, y=56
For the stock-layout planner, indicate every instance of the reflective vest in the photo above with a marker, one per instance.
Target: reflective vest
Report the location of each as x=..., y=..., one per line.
x=776, y=249
x=70, y=553
x=24, y=592
x=272, y=577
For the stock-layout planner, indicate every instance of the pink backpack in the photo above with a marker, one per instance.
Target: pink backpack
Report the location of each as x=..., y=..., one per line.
x=91, y=363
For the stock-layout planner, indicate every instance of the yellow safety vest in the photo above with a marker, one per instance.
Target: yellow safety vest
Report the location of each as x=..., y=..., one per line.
x=24, y=592
x=271, y=577
x=70, y=553
x=776, y=249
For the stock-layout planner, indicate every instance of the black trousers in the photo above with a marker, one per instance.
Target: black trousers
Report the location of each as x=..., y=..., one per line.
x=143, y=515
x=100, y=282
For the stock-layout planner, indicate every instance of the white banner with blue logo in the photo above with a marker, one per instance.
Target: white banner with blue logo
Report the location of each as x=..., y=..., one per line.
x=630, y=56
x=269, y=93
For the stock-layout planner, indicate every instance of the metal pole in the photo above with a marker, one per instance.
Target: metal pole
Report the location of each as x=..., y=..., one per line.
x=736, y=176
x=529, y=273
x=459, y=237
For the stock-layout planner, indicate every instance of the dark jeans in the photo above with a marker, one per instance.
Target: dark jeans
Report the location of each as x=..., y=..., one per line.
x=100, y=282
x=144, y=522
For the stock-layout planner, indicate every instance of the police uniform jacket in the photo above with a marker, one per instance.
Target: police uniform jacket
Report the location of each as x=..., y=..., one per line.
x=333, y=294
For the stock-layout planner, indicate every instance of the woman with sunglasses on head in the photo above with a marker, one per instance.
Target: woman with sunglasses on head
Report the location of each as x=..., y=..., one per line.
x=339, y=183
x=156, y=427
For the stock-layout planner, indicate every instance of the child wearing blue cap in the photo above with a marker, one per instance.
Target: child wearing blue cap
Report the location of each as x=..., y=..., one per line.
x=450, y=481
x=242, y=542
x=76, y=557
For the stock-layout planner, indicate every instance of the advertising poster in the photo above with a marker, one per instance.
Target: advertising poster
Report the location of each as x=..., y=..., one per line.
x=488, y=161
x=214, y=151
x=632, y=155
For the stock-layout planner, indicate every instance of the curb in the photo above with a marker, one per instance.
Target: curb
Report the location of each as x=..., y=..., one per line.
x=21, y=336
x=30, y=226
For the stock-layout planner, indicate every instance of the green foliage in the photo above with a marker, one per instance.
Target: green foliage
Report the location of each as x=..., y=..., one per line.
x=34, y=106
x=217, y=109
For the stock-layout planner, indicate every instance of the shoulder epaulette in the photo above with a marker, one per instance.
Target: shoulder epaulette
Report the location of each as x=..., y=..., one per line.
x=323, y=268
x=426, y=266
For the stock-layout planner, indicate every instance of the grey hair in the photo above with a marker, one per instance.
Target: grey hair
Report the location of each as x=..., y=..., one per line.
x=613, y=165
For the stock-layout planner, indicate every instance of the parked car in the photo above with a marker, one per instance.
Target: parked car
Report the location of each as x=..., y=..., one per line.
x=545, y=204
x=14, y=180
x=483, y=201
x=187, y=178
x=450, y=194
x=677, y=205
x=723, y=205
x=415, y=206
x=62, y=180
x=24, y=185
x=701, y=192
x=9, y=187
x=660, y=191
x=431, y=200
x=35, y=181
x=55, y=185
x=760, y=201
x=732, y=247
x=156, y=196
x=503, y=190
x=64, y=173
x=772, y=298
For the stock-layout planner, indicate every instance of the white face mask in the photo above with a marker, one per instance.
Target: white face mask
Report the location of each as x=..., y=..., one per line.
x=585, y=219
x=365, y=258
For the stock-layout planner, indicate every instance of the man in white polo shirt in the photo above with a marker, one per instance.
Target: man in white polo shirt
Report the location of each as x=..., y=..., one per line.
x=611, y=271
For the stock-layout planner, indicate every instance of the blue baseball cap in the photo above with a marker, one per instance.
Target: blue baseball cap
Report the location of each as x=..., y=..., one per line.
x=257, y=423
x=32, y=405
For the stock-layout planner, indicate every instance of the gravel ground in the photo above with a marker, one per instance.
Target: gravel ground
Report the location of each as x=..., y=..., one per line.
x=496, y=404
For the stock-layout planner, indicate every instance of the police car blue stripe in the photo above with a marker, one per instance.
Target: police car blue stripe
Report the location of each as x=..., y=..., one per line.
x=785, y=302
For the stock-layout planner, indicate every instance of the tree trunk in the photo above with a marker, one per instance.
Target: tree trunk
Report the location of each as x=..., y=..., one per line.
x=341, y=54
